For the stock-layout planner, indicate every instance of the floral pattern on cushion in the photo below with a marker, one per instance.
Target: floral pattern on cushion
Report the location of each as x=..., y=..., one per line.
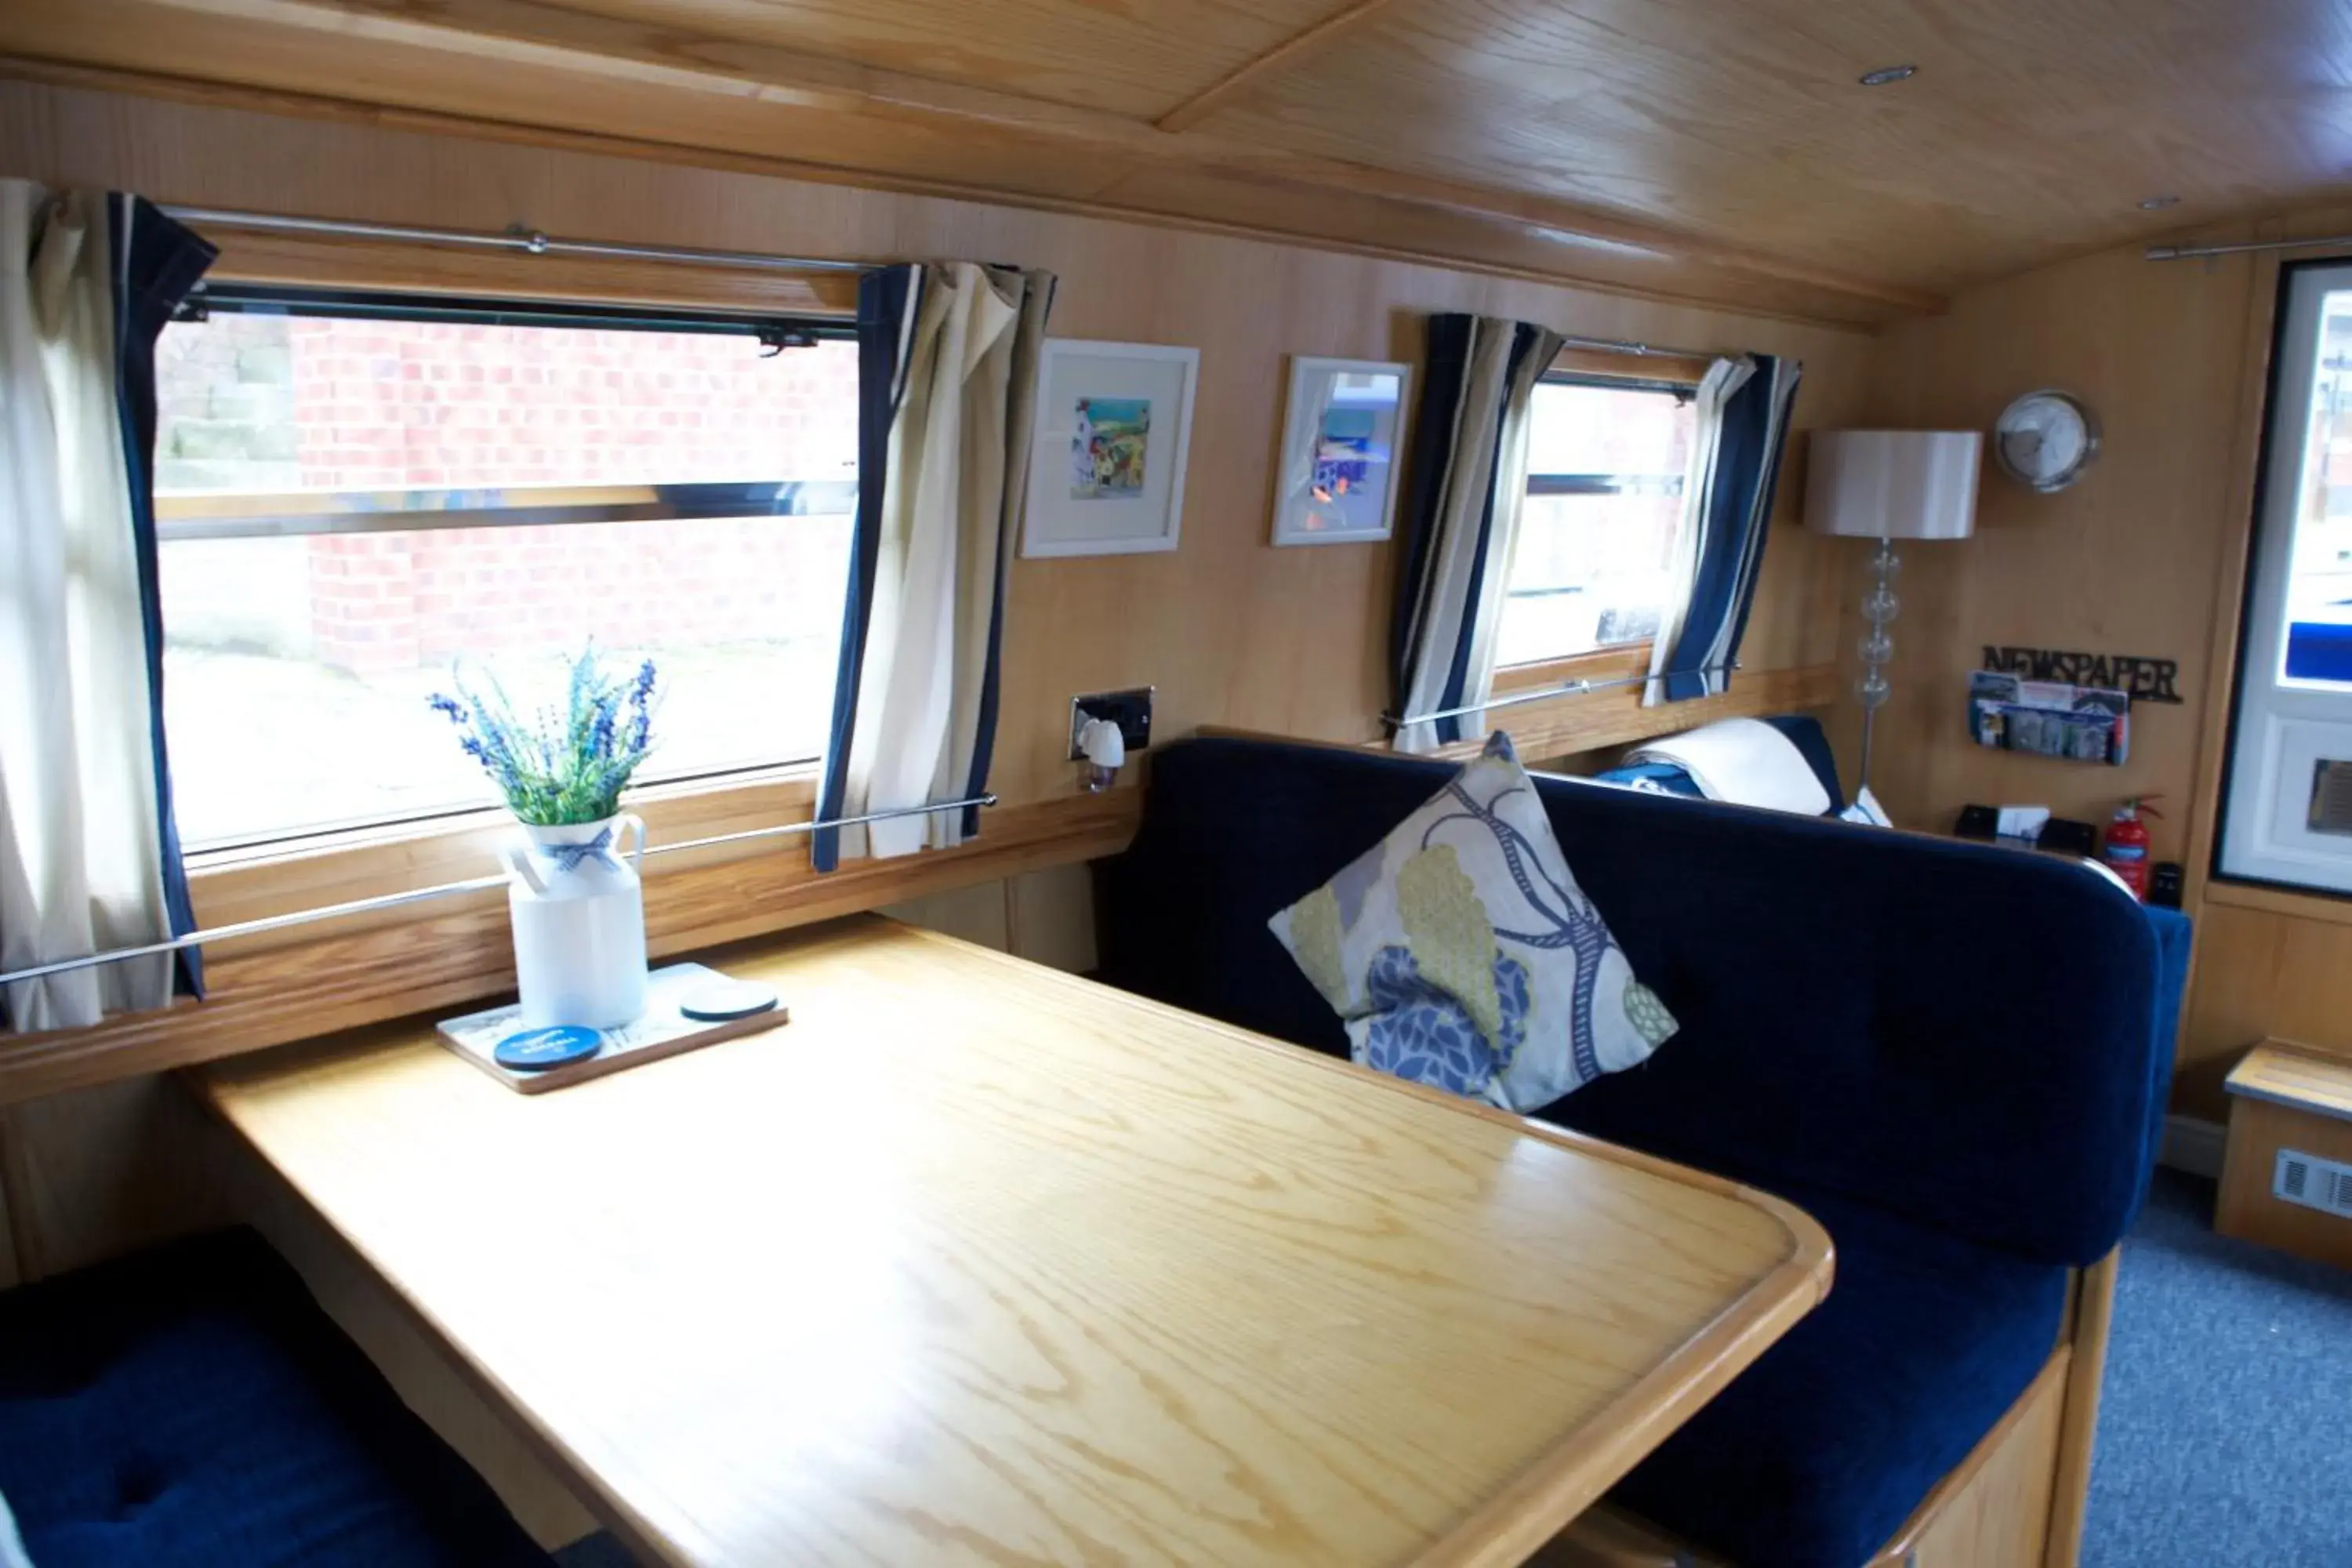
x=1462, y=954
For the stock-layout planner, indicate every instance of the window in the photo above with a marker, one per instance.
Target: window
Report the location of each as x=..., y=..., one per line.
x=2287, y=807
x=1605, y=461
x=354, y=492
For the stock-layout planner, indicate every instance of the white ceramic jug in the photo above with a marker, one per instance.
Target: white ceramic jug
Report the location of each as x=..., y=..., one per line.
x=579, y=916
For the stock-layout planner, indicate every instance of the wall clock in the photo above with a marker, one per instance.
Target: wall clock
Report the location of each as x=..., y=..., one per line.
x=2045, y=439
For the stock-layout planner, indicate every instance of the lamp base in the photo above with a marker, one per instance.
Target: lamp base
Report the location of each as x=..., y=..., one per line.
x=1879, y=606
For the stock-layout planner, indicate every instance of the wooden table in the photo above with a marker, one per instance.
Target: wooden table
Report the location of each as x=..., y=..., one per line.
x=978, y=1262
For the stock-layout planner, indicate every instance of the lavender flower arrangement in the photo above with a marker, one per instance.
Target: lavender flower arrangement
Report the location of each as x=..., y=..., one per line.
x=563, y=767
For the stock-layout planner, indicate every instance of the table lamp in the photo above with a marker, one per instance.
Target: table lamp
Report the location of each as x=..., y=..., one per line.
x=1888, y=485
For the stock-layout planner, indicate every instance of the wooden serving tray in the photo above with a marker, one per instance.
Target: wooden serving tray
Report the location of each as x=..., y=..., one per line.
x=664, y=1031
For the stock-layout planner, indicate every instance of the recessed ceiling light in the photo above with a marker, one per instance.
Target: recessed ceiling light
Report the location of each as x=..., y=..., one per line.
x=1885, y=74
x=2157, y=203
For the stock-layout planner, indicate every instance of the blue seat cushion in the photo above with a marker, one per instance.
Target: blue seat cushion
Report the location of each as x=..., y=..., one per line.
x=1816, y=1455
x=192, y=1408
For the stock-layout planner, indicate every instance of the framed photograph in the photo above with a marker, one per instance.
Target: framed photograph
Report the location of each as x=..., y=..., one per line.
x=1340, y=441
x=1106, y=469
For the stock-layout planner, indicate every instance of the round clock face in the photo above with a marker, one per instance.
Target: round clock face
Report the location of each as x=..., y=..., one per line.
x=2045, y=439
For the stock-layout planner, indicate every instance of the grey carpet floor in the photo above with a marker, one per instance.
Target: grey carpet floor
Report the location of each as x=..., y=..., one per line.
x=2225, y=1428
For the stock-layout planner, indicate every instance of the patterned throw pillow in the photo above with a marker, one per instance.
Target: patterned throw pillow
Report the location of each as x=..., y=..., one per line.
x=1462, y=954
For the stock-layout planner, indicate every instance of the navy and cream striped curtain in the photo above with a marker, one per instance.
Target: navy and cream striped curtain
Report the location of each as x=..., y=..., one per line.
x=1744, y=406
x=1469, y=482
x=90, y=853
x=948, y=360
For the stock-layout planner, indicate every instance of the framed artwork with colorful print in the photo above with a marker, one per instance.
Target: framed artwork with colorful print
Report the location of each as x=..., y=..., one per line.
x=1340, y=441
x=1114, y=428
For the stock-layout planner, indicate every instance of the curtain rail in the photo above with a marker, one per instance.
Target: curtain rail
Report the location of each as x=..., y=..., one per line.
x=443, y=890
x=533, y=242
x=1639, y=350
x=1541, y=694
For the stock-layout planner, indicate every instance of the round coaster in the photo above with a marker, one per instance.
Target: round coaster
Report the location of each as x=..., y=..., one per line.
x=536, y=1050
x=722, y=1000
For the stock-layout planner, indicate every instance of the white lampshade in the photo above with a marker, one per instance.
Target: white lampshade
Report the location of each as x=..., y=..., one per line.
x=1893, y=484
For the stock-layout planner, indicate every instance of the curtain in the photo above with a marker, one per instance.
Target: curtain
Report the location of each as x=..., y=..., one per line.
x=1743, y=428
x=947, y=362
x=90, y=855
x=1462, y=517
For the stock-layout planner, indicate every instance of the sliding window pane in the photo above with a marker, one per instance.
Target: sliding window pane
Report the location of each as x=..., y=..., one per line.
x=2318, y=603
x=1593, y=559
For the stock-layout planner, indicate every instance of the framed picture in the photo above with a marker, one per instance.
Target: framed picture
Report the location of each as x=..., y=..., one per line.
x=1340, y=436
x=1106, y=466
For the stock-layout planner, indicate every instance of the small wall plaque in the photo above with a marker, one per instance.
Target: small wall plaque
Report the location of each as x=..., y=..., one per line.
x=2142, y=679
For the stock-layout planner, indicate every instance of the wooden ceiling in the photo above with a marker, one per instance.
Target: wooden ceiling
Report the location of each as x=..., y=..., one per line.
x=1714, y=149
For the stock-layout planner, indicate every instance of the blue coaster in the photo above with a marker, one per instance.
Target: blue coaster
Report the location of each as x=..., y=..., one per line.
x=536, y=1050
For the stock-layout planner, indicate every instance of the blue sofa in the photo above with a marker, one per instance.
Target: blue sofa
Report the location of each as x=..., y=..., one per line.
x=1951, y=1055
x=192, y=1408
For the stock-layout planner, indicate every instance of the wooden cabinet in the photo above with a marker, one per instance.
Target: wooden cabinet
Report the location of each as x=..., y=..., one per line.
x=2286, y=1096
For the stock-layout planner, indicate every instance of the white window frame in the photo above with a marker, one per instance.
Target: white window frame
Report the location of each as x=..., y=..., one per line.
x=2281, y=728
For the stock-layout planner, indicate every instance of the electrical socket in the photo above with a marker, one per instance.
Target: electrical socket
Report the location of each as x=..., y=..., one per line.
x=1130, y=710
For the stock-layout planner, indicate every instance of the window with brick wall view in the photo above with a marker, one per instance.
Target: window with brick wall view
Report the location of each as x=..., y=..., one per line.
x=349, y=504
x=1594, y=557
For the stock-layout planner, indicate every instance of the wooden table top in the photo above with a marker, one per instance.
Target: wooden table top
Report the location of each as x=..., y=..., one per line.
x=977, y=1262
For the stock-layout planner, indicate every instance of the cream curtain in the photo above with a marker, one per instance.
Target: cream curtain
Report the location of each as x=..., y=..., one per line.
x=915, y=721
x=1469, y=485
x=1723, y=378
x=80, y=835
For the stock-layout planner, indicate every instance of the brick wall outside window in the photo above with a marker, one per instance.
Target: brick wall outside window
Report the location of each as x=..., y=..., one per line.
x=264, y=405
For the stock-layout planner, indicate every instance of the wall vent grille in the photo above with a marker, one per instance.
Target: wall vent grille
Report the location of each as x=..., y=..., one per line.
x=2331, y=797
x=2312, y=1182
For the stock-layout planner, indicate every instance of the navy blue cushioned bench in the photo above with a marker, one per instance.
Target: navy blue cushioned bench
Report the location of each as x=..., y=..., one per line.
x=1948, y=1053
x=193, y=1407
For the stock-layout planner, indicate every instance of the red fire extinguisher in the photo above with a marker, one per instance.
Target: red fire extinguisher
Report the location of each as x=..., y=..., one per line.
x=2125, y=850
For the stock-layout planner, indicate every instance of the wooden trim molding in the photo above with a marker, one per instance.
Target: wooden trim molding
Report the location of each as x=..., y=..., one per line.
x=1615, y=717
x=2230, y=575
x=1993, y=1506
x=2272, y=901
x=293, y=985
x=1600, y=664
x=1586, y=722
x=2094, y=1310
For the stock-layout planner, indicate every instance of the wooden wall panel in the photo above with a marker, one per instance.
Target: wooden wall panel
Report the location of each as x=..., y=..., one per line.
x=2124, y=562
x=1229, y=629
x=2145, y=556
x=105, y=1170
x=976, y=914
x=2261, y=974
x=1051, y=916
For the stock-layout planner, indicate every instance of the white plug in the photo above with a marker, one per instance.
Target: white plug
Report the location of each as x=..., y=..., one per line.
x=1106, y=752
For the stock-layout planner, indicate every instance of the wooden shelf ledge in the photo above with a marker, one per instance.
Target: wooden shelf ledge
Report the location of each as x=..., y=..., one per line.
x=263, y=996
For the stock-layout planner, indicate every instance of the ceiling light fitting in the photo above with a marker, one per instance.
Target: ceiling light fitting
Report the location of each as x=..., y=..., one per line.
x=1885, y=74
